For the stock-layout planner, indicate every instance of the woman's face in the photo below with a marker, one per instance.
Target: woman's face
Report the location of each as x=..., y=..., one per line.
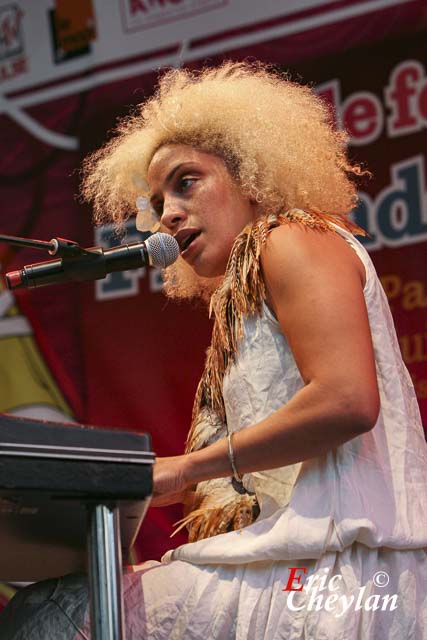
x=200, y=204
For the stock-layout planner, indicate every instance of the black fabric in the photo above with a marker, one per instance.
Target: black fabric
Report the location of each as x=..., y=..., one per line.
x=49, y=610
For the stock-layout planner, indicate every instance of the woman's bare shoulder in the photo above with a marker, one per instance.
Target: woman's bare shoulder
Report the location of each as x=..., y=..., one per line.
x=296, y=248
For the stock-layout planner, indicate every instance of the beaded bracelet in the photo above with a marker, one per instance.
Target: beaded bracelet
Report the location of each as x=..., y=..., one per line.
x=236, y=474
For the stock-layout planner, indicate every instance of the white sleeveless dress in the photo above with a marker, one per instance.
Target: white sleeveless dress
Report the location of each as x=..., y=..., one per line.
x=351, y=525
x=359, y=512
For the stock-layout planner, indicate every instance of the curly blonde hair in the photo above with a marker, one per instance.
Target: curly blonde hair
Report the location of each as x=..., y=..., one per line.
x=275, y=136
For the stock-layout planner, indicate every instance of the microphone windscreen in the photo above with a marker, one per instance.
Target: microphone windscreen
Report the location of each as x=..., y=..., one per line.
x=163, y=249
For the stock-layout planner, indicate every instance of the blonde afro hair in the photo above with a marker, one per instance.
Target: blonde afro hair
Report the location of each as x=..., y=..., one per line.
x=275, y=136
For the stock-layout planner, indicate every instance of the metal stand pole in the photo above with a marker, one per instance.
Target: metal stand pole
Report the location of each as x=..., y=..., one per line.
x=105, y=573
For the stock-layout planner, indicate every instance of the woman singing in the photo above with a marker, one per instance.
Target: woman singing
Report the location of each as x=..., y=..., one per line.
x=305, y=470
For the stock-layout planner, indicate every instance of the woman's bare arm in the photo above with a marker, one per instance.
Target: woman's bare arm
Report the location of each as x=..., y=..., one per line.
x=315, y=287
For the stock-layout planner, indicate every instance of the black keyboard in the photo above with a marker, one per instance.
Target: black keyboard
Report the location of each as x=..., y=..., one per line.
x=49, y=472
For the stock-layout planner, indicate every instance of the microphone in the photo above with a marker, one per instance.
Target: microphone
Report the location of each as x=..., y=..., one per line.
x=159, y=250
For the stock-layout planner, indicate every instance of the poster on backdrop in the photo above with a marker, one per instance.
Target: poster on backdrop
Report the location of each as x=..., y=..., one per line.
x=53, y=41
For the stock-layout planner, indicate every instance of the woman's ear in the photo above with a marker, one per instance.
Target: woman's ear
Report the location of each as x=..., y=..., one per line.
x=256, y=207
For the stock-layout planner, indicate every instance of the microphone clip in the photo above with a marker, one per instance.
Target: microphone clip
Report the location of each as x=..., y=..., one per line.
x=60, y=247
x=63, y=248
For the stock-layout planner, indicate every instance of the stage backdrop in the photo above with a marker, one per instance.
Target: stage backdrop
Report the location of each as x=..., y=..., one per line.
x=120, y=354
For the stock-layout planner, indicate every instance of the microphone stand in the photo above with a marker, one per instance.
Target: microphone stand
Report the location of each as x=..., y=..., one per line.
x=78, y=263
x=104, y=549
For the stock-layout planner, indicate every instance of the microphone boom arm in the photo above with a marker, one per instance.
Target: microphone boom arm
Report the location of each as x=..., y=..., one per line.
x=79, y=265
x=74, y=263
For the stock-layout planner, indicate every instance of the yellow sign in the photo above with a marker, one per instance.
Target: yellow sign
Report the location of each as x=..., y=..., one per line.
x=74, y=24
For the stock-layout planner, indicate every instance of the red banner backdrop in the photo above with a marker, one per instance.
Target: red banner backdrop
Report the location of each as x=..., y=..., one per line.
x=122, y=354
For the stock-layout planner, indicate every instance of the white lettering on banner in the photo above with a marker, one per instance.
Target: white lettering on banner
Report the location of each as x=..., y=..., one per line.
x=143, y=14
x=121, y=284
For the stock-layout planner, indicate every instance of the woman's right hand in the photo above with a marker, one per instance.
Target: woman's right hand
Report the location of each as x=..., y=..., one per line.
x=170, y=481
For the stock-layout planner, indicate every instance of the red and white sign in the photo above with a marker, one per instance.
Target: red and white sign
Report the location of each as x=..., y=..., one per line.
x=13, y=61
x=143, y=14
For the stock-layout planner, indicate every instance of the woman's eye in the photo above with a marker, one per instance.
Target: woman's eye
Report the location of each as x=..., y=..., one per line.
x=185, y=183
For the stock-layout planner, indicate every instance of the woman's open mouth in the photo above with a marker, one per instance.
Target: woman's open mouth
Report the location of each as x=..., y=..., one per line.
x=186, y=238
x=186, y=243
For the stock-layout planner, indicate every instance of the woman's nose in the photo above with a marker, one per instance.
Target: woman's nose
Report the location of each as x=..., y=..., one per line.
x=172, y=216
